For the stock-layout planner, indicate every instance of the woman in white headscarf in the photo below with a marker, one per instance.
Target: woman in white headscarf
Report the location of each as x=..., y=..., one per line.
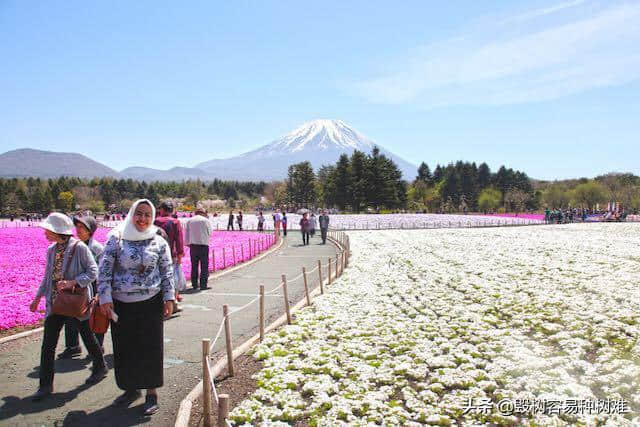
x=136, y=283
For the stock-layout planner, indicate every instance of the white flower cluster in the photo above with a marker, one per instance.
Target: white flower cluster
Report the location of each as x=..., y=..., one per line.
x=424, y=322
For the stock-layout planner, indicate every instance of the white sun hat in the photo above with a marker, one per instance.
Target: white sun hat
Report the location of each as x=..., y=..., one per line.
x=58, y=223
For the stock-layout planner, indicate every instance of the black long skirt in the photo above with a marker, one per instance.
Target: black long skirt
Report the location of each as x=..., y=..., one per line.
x=138, y=343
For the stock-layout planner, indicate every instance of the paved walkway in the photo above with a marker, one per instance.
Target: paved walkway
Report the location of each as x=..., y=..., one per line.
x=73, y=403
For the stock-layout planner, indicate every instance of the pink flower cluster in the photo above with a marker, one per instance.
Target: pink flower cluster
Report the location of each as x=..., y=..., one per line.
x=23, y=261
x=539, y=217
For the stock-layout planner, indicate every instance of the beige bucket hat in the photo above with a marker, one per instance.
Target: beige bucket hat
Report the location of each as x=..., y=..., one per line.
x=58, y=223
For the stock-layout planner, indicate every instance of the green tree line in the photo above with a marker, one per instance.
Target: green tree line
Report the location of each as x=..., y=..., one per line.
x=465, y=186
x=35, y=195
x=355, y=183
x=623, y=188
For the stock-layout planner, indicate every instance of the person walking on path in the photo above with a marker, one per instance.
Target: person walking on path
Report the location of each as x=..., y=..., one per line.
x=70, y=264
x=277, y=222
x=239, y=220
x=198, y=233
x=284, y=223
x=304, y=228
x=312, y=224
x=324, y=226
x=86, y=226
x=230, y=223
x=260, y=221
x=136, y=283
x=175, y=238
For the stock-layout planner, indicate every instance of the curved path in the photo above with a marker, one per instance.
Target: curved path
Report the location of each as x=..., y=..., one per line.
x=74, y=404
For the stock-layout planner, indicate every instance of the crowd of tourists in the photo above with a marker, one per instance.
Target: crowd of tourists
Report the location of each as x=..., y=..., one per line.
x=308, y=224
x=569, y=215
x=132, y=282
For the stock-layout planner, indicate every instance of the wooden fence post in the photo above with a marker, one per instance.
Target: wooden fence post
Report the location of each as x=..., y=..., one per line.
x=337, y=266
x=227, y=332
x=320, y=276
x=223, y=410
x=261, y=313
x=224, y=258
x=213, y=259
x=206, y=383
x=329, y=272
x=306, y=286
x=233, y=249
x=241, y=252
x=286, y=298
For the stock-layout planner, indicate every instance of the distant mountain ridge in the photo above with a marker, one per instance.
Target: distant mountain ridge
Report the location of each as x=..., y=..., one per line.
x=320, y=141
x=28, y=162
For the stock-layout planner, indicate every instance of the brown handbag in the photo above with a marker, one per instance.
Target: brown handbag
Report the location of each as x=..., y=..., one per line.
x=71, y=302
x=98, y=322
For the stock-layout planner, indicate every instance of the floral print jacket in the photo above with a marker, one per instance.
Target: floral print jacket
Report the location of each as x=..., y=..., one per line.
x=132, y=271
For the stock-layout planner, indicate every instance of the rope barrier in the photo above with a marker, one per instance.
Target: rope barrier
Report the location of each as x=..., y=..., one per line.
x=339, y=240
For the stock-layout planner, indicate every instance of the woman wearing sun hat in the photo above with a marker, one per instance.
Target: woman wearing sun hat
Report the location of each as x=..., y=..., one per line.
x=136, y=283
x=69, y=264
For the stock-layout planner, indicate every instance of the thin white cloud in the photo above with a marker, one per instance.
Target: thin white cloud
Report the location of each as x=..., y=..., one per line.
x=577, y=55
x=545, y=11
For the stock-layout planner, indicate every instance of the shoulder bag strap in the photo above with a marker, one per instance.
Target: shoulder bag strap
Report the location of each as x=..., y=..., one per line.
x=66, y=267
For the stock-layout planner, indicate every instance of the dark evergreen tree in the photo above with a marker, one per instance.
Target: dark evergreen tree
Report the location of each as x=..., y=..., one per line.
x=424, y=173
x=358, y=188
x=342, y=182
x=484, y=176
x=437, y=174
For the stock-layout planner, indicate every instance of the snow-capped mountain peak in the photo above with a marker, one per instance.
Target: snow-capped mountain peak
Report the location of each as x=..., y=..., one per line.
x=320, y=142
x=320, y=135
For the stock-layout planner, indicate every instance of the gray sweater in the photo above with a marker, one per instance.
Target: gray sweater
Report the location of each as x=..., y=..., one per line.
x=83, y=269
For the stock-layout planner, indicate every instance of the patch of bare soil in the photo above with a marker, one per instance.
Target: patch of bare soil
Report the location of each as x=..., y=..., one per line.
x=18, y=329
x=17, y=343
x=238, y=387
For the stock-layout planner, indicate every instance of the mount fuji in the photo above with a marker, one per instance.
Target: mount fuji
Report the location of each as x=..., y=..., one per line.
x=320, y=141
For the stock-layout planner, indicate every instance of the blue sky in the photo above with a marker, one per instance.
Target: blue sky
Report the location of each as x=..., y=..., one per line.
x=548, y=87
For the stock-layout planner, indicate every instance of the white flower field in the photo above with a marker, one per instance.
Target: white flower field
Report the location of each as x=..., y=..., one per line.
x=529, y=325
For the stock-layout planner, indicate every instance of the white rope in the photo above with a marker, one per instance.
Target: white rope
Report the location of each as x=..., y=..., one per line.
x=213, y=387
x=311, y=271
x=275, y=289
x=244, y=306
x=217, y=335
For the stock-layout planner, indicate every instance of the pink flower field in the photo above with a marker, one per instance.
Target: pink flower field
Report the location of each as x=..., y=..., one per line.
x=22, y=264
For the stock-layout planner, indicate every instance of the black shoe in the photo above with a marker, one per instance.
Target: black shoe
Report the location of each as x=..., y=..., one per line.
x=97, y=375
x=204, y=288
x=195, y=287
x=42, y=393
x=70, y=352
x=127, y=398
x=150, y=404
